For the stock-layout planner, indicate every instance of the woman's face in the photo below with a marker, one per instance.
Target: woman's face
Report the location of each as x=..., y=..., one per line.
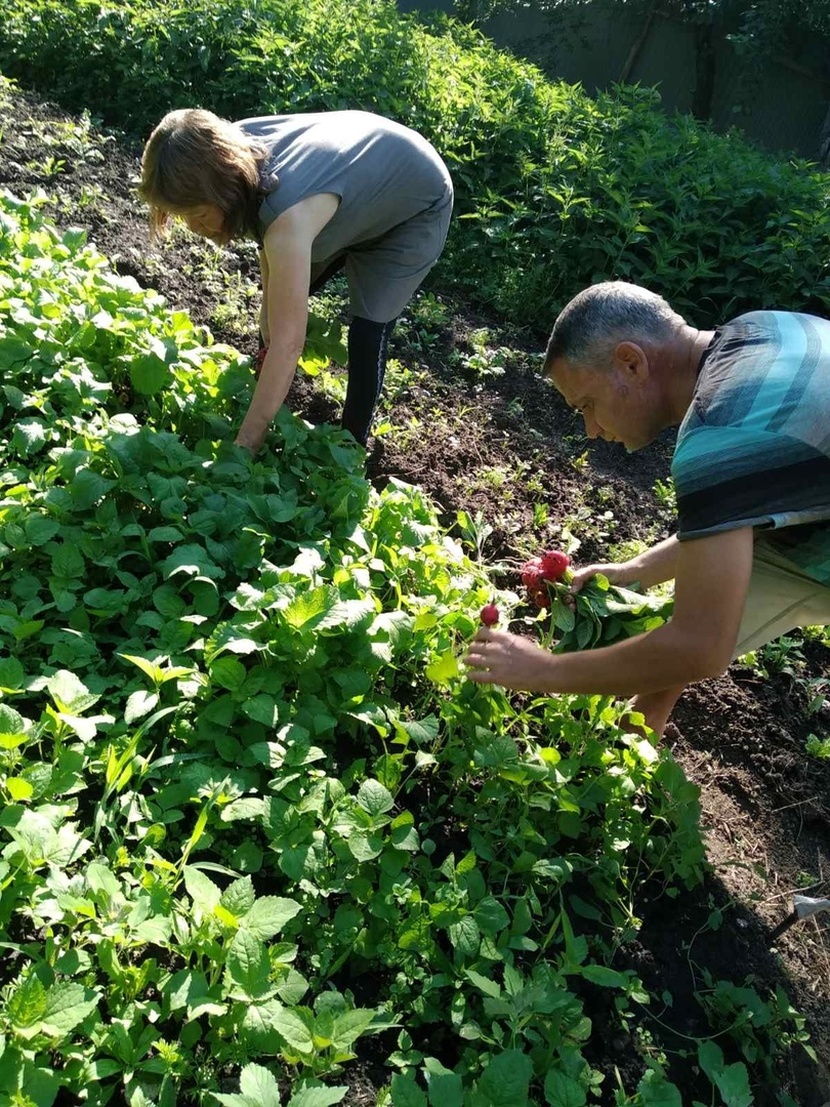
x=207, y=221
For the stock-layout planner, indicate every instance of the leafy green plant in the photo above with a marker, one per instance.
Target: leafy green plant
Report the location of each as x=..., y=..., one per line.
x=610, y=187
x=242, y=770
x=818, y=747
x=762, y=1029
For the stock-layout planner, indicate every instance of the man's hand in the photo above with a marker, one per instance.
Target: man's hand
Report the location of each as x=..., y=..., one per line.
x=498, y=657
x=622, y=573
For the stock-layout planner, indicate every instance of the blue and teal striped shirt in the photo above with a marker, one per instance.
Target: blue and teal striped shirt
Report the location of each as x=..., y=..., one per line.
x=754, y=447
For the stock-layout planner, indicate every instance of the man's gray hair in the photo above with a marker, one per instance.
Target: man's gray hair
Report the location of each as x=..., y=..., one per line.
x=590, y=326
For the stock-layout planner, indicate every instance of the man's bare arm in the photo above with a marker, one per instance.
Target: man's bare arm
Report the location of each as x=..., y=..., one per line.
x=712, y=579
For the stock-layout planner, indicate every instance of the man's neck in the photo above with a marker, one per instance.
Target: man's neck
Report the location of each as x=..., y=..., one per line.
x=683, y=360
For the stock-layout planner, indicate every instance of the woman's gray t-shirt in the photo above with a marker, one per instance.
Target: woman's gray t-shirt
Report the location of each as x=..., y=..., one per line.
x=395, y=198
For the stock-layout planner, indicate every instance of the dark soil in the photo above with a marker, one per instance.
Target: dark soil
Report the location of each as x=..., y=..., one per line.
x=506, y=447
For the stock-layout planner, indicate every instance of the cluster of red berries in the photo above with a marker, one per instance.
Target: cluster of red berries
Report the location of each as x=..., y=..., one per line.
x=539, y=572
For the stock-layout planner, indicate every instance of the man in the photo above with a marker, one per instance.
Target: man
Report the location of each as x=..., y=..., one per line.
x=751, y=469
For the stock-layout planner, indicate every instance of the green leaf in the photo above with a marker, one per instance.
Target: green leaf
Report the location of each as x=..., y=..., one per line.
x=269, y=915
x=239, y=897
x=259, y=1086
x=365, y=846
x=317, y=1095
x=40, y=529
x=607, y=978
x=710, y=1056
x=350, y=1025
x=192, y=560
x=11, y=674
x=148, y=667
x=443, y=669
x=309, y=607
x=13, y=728
x=445, y=1086
x=28, y=436
x=139, y=704
x=374, y=798
x=506, y=1079
x=733, y=1085
x=70, y=695
x=491, y=916
x=87, y=488
x=294, y=1031
x=68, y=562
x=562, y=1090
x=18, y=788
x=201, y=889
x=67, y=1005
x=656, y=1091
x=27, y=1004
x=424, y=732
x=248, y=965
x=406, y=1093
x=484, y=984
x=258, y=1030
x=149, y=374
x=465, y=936
x=228, y=673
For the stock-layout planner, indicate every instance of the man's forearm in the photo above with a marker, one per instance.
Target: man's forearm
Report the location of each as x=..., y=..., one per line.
x=657, y=564
x=646, y=663
x=650, y=662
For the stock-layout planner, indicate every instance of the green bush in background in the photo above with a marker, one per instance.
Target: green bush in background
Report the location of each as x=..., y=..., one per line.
x=555, y=190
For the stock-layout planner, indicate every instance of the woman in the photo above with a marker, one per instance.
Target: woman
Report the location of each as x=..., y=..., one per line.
x=319, y=192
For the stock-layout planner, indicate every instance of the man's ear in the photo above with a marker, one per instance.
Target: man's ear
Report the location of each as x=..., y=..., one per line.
x=632, y=360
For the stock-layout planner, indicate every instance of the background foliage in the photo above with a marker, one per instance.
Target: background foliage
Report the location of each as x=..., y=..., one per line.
x=555, y=190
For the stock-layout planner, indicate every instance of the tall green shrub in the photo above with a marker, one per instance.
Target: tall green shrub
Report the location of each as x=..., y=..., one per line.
x=555, y=190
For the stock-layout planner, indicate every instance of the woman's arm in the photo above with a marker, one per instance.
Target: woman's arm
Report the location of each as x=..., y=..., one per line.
x=287, y=251
x=263, y=309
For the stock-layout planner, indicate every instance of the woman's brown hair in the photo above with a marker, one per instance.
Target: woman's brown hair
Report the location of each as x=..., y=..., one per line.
x=194, y=157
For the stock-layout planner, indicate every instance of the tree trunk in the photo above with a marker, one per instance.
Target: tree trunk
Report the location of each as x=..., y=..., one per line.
x=637, y=47
x=704, y=89
x=824, y=142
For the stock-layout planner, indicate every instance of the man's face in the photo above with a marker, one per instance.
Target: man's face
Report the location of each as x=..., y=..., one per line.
x=613, y=401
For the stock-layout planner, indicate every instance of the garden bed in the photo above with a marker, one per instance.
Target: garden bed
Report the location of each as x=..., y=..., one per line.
x=472, y=424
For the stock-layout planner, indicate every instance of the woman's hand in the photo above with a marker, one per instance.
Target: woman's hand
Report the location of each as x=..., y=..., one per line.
x=498, y=657
x=250, y=439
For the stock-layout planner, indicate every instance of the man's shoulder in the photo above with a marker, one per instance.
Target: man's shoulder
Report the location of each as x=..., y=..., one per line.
x=775, y=326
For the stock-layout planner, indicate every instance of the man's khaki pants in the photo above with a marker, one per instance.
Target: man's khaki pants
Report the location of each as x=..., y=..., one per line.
x=779, y=599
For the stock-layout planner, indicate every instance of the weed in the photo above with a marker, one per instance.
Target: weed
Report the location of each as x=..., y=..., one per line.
x=818, y=747
x=50, y=167
x=664, y=492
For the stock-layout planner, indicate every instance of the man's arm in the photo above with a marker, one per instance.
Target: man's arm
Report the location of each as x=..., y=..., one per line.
x=711, y=582
x=653, y=566
x=287, y=250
